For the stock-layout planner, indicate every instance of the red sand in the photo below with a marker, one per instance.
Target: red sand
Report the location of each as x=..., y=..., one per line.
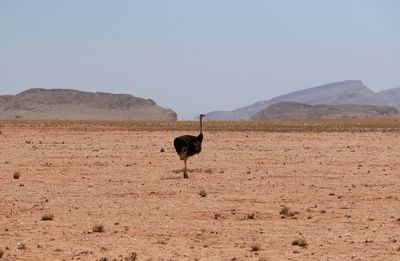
x=343, y=191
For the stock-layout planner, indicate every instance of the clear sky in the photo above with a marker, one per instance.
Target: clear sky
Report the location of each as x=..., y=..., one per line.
x=198, y=56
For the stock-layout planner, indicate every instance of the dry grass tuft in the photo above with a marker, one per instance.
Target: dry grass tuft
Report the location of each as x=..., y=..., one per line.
x=286, y=212
x=132, y=257
x=251, y=215
x=47, y=216
x=98, y=228
x=21, y=246
x=16, y=175
x=203, y=193
x=300, y=242
x=255, y=247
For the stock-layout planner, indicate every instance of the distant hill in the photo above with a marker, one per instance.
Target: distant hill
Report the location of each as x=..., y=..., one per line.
x=390, y=97
x=295, y=110
x=66, y=104
x=346, y=92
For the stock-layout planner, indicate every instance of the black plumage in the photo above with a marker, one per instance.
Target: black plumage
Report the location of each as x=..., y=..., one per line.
x=188, y=145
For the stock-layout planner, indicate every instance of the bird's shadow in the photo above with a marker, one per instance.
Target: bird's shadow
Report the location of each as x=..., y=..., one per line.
x=172, y=178
x=179, y=173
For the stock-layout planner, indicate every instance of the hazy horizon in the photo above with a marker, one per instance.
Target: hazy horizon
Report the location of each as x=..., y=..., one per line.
x=198, y=56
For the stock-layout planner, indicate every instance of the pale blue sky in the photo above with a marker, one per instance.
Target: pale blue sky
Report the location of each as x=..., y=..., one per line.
x=198, y=56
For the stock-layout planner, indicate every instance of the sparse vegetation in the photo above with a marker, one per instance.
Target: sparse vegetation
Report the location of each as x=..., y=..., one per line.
x=132, y=257
x=208, y=171
x=47, y=216
x=16, y=175
x=286, y=212
x=131, y=195
x=251, y=215
x=300, y=242
x=98, y=228
x=203, y=193
x=255, y=247
x=161, y=241
x=21, y=246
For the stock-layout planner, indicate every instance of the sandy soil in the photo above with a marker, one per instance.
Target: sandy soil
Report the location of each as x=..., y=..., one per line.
x=342, y=191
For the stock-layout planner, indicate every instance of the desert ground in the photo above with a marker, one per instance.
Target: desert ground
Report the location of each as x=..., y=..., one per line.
x=258, y=191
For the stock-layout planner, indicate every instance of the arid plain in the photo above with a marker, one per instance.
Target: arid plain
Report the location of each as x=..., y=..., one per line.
x=322, y=190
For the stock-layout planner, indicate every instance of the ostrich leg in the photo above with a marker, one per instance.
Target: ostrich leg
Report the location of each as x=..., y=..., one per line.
x=185, y=175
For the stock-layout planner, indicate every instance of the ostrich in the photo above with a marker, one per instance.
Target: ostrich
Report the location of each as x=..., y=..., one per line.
x=188, y=145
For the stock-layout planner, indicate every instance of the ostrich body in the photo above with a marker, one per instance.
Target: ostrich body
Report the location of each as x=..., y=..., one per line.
x=188, y=145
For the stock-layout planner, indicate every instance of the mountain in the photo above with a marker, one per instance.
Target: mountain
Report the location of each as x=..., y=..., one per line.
x=66, y=104
x=391, y=97
x=295, y=110
x=346, y=92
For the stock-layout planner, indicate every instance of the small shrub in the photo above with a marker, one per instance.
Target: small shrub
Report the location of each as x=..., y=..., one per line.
x=47, y=216
x=208, y=171
x=132, y=257
x=255, y=247
x=21, y=246
x=162, y=150
x=161, y=241
x=98, y=228
x=16, y=175
x=251, y=215
x=286, y=212
x=300, y=242
x=203, y=193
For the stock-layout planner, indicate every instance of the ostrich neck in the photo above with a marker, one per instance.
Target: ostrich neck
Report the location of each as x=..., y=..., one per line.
x=201, y=125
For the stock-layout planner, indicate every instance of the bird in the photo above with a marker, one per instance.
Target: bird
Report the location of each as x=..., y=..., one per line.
x=188, y=145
